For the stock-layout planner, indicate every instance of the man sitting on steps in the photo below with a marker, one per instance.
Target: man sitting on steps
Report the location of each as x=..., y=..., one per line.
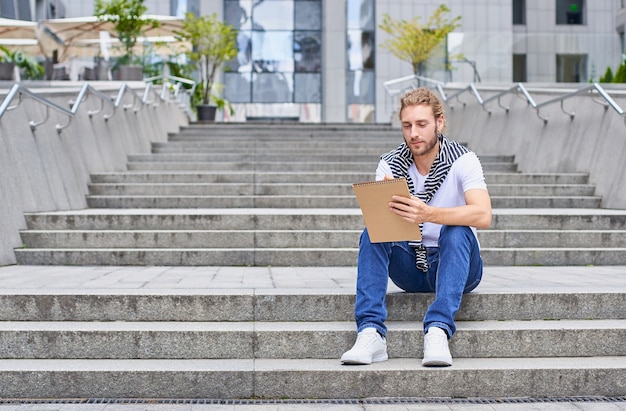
x=449, y=201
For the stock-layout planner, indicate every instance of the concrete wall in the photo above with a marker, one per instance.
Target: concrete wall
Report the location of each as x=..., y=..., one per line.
x=593, y=142
x=44, y=170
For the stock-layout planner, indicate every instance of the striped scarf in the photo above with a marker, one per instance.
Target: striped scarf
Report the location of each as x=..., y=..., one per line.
x=400, y=160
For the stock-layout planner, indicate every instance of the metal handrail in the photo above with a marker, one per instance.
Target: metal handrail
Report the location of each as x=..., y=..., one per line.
x=519, y=88
x=392, y=91
x=175, y=79
x=20, y=91
x=172, y=85
x=605, y=101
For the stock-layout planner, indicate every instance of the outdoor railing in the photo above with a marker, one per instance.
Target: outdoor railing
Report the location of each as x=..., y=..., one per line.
x=20, y=92
x=395, y=87
x=175, y=86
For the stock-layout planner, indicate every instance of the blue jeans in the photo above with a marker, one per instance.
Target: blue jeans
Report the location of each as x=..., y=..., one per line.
x=455, y=268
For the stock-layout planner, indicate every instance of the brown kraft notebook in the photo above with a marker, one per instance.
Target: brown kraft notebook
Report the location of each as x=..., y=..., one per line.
x=383, y=225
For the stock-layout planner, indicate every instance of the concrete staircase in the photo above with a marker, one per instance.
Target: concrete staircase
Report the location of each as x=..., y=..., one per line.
x=280, y=195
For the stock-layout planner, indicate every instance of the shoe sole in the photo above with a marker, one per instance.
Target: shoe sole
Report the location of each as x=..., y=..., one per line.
x=437, y=362
x=379, y=358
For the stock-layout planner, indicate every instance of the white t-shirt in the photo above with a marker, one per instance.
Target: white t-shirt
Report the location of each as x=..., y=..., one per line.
x=465, y=174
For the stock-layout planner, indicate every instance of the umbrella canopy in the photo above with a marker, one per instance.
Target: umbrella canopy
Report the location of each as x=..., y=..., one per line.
x=20, y=35
x=17, y=29
x=71, y=35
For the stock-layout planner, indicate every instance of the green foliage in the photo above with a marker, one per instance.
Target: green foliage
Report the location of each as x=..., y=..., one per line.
x=620, y=74
x=127, y=17
x=30, y=69
x=607, y=77
x=618, y=77
x=413, y=42
x=214, y=43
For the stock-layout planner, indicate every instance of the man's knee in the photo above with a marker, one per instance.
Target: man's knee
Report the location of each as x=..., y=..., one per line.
x=455, y=234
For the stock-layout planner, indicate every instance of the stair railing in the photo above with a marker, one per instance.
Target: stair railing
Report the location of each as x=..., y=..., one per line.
x=519, y=88
x=606, y=101
x=20, y=92
x=173, y=85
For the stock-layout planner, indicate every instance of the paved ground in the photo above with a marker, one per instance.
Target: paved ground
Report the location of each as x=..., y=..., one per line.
x=133, y=280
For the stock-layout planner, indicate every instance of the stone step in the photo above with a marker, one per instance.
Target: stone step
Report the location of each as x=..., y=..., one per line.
x=298, y=257
x=311, y=189
x=301, y=219
x=309, y=201
x=311, y=157
x=148, y=294
x=319, y=177
x=191, y=239
x=546, y=201
x=247, y=147
x=311, y=378
x=365, y=167
x=301, y=340
x=324, y=237
x=281, y=128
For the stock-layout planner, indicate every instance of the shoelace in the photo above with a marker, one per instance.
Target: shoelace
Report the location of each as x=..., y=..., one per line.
x=437, y=340
x=366, y=339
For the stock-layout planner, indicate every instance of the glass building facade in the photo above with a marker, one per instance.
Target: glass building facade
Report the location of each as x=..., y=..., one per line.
x=279, y=57
x=321, y=60
x=361, y=44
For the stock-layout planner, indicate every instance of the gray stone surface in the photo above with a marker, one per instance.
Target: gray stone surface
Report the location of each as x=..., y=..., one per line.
x=577, y=357
x=44, y=170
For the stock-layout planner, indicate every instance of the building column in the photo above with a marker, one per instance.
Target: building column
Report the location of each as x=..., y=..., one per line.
x=334, y=61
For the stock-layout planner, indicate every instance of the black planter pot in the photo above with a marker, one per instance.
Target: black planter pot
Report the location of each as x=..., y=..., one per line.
x=206, y=112
x=129, y=73
x=6, y=70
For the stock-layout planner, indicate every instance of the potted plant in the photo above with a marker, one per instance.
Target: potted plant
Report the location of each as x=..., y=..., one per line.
x=213, y=43
x=29, y=68
x=127, y=16
x=7, y=64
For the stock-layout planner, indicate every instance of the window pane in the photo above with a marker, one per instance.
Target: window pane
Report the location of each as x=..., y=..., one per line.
x=569, y=11
x=237, y=14
x=307, y=88
x=237, y=87
x=571, y=68
x=519, y=11
x=272, y=51
x=519, y=68
x=360, y=87
x=308, y=51
x=360, y=50
x=308, y=15
x=272, y=88
x=273, y=15
x=7, y=9
x=243, y=61
x=24, y=10
x=361, y=14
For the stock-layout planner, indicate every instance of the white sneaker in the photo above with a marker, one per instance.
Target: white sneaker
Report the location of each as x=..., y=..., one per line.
x=436, y=351
x=369, y=347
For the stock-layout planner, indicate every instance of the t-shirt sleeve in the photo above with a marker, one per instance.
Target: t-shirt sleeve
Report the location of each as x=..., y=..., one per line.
x=382, y=170
x=470, y=172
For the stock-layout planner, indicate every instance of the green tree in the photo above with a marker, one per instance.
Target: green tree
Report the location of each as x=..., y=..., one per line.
x=128, y=18
x=608, y=76
x=620, y=73
x=214, y=43
x=415, y=43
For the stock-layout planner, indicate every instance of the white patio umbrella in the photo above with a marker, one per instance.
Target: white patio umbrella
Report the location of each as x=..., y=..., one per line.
x=19, y=35
x=80, y=36
x=17, y=29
